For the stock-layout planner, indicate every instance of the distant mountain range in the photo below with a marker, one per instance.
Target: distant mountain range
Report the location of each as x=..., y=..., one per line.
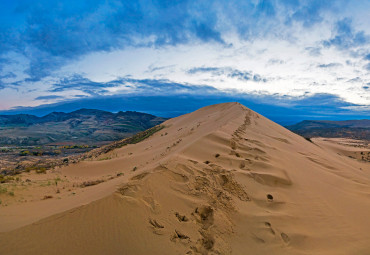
x=84, y=126
x=356, y=129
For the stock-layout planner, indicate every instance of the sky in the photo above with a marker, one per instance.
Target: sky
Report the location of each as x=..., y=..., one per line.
x=288, y=59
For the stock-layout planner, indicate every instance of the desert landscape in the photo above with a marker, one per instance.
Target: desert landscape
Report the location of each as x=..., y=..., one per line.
x=221, y=180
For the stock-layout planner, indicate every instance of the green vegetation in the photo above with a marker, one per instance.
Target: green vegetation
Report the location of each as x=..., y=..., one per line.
x=3, y=190
x=41, y=170
x=145, y=134
x=75, y=146
x=4, y=179
x=132, y=140
x=81, y=128
x=24, y=153
x=90, y=183
x=30, y=161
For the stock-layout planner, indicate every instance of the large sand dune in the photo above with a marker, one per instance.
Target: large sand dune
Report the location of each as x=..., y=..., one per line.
x=221, y=180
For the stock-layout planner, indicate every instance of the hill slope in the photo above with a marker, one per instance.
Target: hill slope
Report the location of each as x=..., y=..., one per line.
x=84, y=126
x=220, y=180
x=356, y=129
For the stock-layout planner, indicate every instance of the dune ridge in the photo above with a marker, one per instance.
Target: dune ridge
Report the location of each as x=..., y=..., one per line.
x=220, y=180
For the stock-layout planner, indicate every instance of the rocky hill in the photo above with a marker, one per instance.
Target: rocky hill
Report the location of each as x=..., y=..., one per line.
x=355, y=129
x=84, y=126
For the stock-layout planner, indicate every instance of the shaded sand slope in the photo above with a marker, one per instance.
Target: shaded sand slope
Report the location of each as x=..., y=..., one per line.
x=221, y=180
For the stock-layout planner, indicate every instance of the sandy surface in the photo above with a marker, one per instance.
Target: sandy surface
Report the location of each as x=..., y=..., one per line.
x=221, y=180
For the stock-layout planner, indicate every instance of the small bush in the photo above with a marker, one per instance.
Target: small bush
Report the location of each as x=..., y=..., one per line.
x=41, y=170
x=3, y=190
x=24, y=153
x=90, y=183
x=4, y=179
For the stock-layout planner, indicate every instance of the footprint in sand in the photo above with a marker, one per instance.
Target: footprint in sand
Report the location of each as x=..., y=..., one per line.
x=268, y=225
x=155, y=224
x=270, y=198
x=285, y=237
x=181, y=218
x=204, y=216
x=178, y=236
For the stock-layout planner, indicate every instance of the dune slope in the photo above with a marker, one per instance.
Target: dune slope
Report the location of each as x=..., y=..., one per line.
x=220, y=180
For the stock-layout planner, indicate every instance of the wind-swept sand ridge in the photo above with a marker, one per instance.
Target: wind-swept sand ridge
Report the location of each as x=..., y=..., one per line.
x=221, y=180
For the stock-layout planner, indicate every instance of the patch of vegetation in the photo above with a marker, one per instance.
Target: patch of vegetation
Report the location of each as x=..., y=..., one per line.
x=90, y=183
x=4, y=179
x=64, y=155
x=131, y=140
x=134, y=169
x=145, y=134
x=24, y=153
x=3, y=190
x=41, y=170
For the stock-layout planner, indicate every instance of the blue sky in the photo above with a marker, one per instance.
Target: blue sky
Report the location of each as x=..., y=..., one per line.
x=310, y=59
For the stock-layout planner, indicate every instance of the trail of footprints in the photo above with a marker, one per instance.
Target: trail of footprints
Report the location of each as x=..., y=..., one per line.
x=203, y=218
x=234, y=142
x=219, y=182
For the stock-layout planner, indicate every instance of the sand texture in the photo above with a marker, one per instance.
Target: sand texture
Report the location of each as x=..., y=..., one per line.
x=220, y=180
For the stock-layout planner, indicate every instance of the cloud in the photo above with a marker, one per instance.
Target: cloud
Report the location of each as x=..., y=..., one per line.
x=284, y=110
x=229, y=72
x=275, y=61
x=8, y=76
x=247, y=35
x=77, y=82
x=129, y=86
x=313, y=51
x=355, y=80
x=50, y=34
x=308, y=13
x=48, y=97
x=212, y=70
x=346, y=37
x=330, y=65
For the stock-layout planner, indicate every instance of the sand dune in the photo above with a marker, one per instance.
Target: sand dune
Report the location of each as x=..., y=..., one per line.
x=220, y=180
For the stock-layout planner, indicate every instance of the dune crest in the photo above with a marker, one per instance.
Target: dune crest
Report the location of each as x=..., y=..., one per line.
x=220, y=180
